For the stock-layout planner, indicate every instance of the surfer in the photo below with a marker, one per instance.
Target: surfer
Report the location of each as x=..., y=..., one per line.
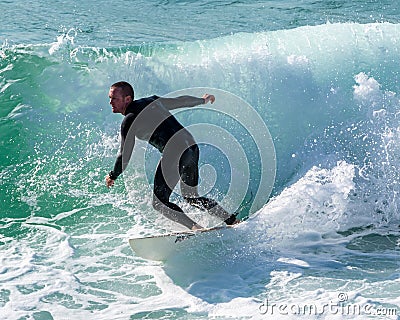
x=150, y=119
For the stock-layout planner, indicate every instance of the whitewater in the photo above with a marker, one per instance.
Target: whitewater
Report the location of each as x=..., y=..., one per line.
x=304, y=139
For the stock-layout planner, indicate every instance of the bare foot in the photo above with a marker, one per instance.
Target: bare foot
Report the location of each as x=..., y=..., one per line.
x=197, y=227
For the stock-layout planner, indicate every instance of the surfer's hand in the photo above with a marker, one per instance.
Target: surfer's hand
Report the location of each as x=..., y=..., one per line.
x=109, y=181
x=208, y=97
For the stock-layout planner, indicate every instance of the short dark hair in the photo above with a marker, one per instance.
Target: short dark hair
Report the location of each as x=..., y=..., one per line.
x=127, y=89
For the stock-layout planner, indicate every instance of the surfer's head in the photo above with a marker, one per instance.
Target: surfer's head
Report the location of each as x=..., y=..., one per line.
x=121, y=94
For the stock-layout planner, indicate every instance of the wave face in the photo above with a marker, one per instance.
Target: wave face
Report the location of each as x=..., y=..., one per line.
x=328, y=95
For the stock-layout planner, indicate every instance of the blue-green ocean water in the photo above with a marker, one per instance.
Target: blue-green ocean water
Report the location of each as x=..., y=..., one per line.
x=322, y=75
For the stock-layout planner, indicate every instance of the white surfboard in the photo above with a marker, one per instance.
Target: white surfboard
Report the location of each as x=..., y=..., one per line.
x=161, y=247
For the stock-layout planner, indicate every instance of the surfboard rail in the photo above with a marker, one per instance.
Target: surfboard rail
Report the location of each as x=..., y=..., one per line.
x=160, y=247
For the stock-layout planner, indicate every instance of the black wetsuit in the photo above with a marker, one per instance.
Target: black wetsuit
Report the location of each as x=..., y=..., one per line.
x=149, y=119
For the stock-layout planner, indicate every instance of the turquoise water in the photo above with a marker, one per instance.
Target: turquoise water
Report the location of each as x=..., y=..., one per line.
x=323, y=76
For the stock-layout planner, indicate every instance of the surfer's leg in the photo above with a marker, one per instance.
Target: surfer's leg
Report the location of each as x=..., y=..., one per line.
x=213, y=208
x=189, y=171
x=162, y=193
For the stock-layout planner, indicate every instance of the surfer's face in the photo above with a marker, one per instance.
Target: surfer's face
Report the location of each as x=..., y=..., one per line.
x=118, y=101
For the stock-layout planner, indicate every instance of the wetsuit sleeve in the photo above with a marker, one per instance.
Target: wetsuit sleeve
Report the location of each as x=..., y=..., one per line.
x=180, y=102
x=126, y=148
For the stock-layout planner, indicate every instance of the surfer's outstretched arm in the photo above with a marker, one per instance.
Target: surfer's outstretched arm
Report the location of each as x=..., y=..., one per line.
x=185, y=101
